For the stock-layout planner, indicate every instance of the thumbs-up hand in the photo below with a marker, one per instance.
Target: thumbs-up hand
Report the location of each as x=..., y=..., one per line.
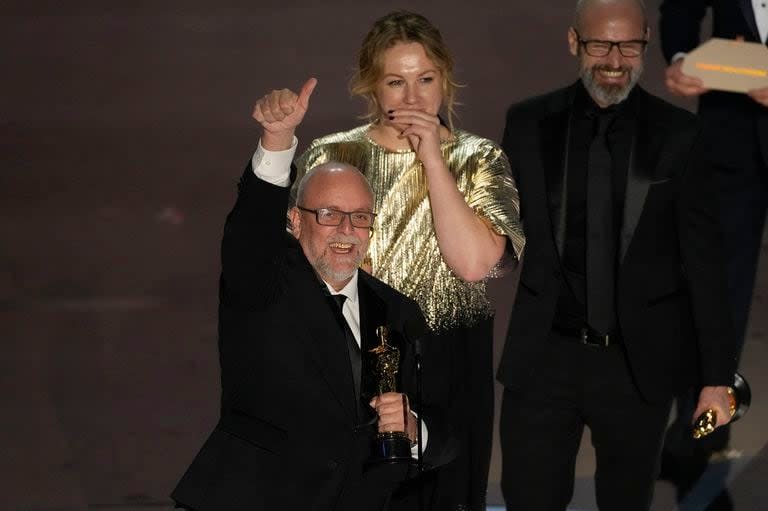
x=280, y=112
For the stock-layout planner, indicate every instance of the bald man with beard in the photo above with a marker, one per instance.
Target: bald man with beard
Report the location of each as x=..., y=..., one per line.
x=297, y=322
x=622, y=295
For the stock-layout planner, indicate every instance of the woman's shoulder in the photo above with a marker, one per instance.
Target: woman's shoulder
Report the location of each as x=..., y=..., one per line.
x=466, y=137
x=474, y=144
x=350, y=146
x=354, y=135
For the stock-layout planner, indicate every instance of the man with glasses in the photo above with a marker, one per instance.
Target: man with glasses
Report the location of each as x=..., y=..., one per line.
x=297, y=322
x=622, y=292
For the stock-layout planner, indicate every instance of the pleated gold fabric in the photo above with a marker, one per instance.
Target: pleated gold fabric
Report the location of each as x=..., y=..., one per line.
x=404, y=252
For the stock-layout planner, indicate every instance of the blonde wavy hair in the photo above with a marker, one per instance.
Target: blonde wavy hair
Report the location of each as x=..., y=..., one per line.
x=402, y=27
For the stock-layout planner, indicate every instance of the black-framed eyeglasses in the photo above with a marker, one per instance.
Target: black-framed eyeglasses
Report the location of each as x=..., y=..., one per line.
x=333, y=217
x=598, y=48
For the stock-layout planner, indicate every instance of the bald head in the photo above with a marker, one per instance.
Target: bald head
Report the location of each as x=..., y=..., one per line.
x=587, y=8
x=342, y=174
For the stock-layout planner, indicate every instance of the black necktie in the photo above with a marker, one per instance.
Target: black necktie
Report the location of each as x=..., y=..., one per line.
x=355, y=359
x=601, y=242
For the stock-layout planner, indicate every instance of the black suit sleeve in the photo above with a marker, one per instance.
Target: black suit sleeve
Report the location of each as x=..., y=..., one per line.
x=701, y=248
x=680, y=24
x=253, y=247
x=254, y=252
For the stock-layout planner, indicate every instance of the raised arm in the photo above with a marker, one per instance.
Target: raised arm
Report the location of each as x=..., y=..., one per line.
x=254, y=233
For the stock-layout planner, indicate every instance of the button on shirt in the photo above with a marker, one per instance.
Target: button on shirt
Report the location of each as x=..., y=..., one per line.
x=274, y=167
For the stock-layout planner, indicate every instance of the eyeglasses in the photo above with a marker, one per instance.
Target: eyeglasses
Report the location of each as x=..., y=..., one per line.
x=334, y=217
x=598, y=48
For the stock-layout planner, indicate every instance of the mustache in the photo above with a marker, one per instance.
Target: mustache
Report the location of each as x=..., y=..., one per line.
x=341, y=238
x=606, y=67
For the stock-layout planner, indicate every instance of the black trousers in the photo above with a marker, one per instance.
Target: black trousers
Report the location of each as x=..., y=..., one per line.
x=573, y=386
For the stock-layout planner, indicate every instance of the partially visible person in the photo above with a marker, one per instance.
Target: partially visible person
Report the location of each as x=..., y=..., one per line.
x=447, y=213
x=296, y=424
x=622, y=293
x=738, y=128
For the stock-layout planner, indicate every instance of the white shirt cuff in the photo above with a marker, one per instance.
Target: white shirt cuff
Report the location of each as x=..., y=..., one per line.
x=424, y=437
x=677, y=56
x=274, y=166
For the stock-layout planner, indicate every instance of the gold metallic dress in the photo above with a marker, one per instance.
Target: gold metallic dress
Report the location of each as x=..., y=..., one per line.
x=404, y=252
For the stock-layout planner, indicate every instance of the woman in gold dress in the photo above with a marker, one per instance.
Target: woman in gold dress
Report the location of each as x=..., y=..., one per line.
x=447, y=210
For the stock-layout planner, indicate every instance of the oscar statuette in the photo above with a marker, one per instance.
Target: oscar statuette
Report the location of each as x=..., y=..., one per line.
x=739, y=397
x=389, y=446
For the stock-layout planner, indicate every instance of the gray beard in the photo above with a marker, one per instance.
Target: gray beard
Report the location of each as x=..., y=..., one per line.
x=610, y=95
x=327, y=273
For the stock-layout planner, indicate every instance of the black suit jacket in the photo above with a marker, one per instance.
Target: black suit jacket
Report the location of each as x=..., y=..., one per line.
x=731, y=116
x=287, y=435
x=670, y=286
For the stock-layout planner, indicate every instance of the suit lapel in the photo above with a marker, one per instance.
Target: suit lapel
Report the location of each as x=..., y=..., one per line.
x=554, y=132
x=636, y=191
x=327, y=344
x=749, y=17
x=647, y=165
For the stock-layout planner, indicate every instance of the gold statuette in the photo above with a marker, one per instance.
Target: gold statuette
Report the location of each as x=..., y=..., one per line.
x=705, y=424
x=387, y=362
x=739, y=399
x=388, y=446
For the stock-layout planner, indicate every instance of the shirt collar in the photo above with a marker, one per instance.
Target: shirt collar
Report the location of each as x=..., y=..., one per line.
x=350, y=290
